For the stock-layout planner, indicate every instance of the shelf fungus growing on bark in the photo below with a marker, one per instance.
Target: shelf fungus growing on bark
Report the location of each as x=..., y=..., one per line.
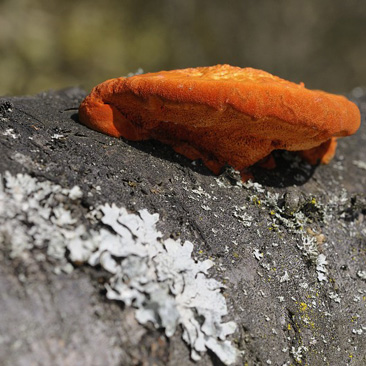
x=222, y=114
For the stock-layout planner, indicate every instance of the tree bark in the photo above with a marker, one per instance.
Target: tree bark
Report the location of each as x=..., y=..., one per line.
x=290, y=248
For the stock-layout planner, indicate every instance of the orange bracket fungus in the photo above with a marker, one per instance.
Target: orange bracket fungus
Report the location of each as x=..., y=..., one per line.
x=222, y=114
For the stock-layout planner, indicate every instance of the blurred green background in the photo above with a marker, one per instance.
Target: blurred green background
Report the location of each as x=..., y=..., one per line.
x=49, y=44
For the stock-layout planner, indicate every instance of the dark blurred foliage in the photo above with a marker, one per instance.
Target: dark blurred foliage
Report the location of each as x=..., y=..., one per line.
x=51, y=44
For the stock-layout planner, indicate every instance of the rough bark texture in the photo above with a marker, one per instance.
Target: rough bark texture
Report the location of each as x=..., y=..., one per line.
x=268, y=242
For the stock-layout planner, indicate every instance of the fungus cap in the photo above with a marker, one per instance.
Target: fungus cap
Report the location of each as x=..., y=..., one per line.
x=221, y=114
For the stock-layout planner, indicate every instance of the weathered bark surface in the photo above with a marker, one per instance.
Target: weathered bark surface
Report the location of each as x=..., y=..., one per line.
x=285, y=315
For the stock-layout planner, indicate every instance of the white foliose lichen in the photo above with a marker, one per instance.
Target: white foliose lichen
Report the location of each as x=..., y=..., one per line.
x=360, y=164
x=157, y=277
x=321, y=269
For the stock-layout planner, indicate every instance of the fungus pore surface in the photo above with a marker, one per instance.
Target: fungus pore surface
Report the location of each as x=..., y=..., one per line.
x=222, y=114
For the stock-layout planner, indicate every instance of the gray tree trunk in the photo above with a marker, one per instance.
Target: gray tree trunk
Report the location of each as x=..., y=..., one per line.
x=290, y=249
